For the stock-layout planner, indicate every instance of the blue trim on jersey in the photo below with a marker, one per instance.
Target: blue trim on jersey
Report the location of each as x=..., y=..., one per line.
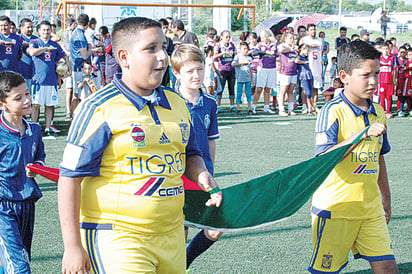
x=138, y=101
x=321, y=212
x=375, y=258
x=96, y=226
x=356, y=110
x=99, y=257
x=90, y=249
x=322, y=122
x=332, y=139
x=319, y=231
x=87, y=109
x=314, y=271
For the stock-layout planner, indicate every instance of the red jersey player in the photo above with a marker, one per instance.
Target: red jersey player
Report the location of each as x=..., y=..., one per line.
x=386, y=81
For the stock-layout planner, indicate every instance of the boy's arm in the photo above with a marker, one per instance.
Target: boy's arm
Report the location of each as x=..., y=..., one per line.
x=75, y=258
x=212, y=150
x=215, y=70
x=196, y=171
x=383, y=184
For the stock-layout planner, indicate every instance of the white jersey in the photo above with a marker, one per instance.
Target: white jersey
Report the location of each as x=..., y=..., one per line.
x=315, y=57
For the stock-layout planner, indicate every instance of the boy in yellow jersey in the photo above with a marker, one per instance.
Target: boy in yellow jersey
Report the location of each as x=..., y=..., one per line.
x=120, y=190
x=352, y=207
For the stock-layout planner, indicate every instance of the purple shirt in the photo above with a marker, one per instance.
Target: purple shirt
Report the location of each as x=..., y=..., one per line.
x=288, y=65
x=9, y=54
x=45, y=63
x=268, y=60
x=225, y=62
x=256, y=58
x=26, y=62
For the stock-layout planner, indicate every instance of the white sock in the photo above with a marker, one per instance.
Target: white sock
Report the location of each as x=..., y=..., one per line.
x=281, y=108
x=265, y=107
x=290, y=106
x=253, y=107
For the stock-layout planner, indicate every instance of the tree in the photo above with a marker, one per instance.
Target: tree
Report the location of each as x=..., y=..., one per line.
x=311, y=6
x=7, y=4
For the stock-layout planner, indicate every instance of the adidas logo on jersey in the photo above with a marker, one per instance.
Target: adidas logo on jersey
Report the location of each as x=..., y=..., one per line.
x=164, y=139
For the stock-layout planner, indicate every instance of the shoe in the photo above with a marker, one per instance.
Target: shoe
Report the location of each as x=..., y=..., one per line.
x=283, y=113
x=233, y=109
x=295, y=106
x=305, y=111
x=388, y=116
x=238, y=111
x=49, y=133
x=54, y=129
x=292, y=113
x=268, y=111
x=253, y=111
x=401, y=114
x=250, y=112
x=69, y=116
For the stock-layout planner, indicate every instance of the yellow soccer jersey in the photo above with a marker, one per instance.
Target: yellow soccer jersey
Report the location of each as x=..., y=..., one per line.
x=351, y=190
x=132, y=154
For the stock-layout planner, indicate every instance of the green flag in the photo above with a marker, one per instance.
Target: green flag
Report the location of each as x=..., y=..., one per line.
x=264, y=200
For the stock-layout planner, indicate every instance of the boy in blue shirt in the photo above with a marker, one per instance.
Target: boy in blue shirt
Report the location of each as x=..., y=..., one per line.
x=188, y=65
x=10, y=46
x=20, y=145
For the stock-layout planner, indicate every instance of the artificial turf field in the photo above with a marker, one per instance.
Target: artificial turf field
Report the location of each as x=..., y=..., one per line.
x=249, y=147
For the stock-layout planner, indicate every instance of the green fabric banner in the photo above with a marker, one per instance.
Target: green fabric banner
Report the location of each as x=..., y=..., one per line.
x=264, y=200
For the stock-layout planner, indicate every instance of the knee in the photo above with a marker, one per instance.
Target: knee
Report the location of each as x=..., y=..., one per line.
x=213, y=235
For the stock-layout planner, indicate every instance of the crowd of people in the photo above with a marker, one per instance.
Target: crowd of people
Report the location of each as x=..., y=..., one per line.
x=116, y=103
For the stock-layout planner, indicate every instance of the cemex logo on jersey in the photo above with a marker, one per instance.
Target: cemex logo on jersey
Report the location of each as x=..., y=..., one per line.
x=47, y=56
x=361, y=169
x=154, y=184
x=9, y=50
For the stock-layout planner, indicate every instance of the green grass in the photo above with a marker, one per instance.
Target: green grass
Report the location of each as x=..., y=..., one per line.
x=251, y=146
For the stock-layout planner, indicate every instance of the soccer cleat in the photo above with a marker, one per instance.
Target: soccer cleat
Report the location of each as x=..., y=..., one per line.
x=233, y=109
x=305, y=111
x=268, y=111
x=401, y=114
x=54, y=129
x=49, y=133
x=250, y=112
x=292, y=113
x=388, y=116
x=253, y=111
x=283, y=113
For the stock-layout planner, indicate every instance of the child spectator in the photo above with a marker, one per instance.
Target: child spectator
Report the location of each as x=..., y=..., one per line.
x=21, y=145
x=86, y=84
x=133, y=119
x=400, y=83
x=386, y=80
x=225, y=51
x=210, y=80
x=306, y=78
x=334, y=90
x=333, y=73
x=210, y=37
x=266, y=72
x=352, y=207
x=407, y=90
x=287, y=72
x=188, y=66
x=253, y=48
x=243, y=68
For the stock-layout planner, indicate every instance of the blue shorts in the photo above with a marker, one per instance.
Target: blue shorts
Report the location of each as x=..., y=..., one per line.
x=16, y=233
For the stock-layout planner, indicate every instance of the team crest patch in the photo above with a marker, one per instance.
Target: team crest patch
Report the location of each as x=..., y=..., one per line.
x=138, y=136
x=184, y=128
x=321, y=138
x=327, y=261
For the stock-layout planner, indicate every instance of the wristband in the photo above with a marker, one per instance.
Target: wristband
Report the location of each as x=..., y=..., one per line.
x=215, y=190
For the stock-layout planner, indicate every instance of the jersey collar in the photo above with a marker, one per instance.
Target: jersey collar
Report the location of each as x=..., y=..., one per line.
x=138, y=101
x=14, y=130
x=356, y=110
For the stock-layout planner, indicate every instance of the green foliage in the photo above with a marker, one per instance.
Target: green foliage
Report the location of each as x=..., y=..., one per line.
x=311, y=6
x=7, y=4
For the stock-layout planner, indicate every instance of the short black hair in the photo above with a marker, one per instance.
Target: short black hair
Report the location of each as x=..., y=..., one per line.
x=83, y=20
x=8, y=80
x=104, y=30
x=343, y=28
x=334, y=58
x=128, y=28
x=92, y=21
x=163, y=22
x=354, y=35
x=301, y=27
x=5, y=18
x=24, y=21
x=178, y=24
x=402, y=47
x=207, y=49
x=244, y=43
x=44, y=22
x=310, y=25
x=408, y=50
x=353, y=54
x=253, y=34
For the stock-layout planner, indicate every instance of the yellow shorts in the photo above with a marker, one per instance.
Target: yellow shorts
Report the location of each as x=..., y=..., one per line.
x=333, y=239
x=123, y=251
